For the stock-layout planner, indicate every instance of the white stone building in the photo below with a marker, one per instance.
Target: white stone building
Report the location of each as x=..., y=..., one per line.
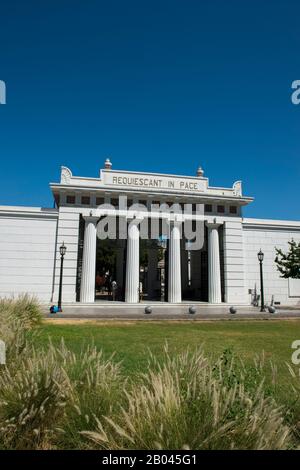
x=224, y=268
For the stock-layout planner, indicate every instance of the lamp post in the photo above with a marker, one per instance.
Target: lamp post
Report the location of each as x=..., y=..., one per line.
x=260, y=256
x=62, y=250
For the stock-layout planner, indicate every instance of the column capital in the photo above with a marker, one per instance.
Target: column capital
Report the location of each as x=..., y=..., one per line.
x=214, y=224
x=91, y=217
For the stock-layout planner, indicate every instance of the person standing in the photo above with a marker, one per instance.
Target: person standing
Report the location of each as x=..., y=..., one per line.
x=114, y=287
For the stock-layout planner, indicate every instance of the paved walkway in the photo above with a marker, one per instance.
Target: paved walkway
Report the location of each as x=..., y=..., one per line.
x=112, y=311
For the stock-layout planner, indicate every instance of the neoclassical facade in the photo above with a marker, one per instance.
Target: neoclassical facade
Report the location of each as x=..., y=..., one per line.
x=152, y=237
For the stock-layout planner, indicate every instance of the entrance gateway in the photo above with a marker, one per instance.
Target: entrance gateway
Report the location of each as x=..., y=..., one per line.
x=145, y=236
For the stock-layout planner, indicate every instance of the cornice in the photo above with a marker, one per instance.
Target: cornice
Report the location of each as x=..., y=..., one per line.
x=241, y=200
x=270, y=224
x=22, y=211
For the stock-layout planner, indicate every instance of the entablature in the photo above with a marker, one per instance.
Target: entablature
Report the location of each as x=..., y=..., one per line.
x=142, y=185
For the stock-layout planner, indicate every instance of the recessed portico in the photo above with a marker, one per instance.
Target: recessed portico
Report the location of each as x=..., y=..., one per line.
x=175, y=262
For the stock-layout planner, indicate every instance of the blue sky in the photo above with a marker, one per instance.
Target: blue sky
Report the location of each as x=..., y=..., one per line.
x=159, y=86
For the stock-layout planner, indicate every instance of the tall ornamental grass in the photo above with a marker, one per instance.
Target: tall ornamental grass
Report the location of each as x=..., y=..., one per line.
x=32, y=401
x=96, y=390
x=25, y=309
x=54, y=398
x=18, y=318
x=186, y=402
x=53, y=395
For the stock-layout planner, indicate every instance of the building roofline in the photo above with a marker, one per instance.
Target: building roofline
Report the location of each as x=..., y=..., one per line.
x=271, y=223
x=27, y=210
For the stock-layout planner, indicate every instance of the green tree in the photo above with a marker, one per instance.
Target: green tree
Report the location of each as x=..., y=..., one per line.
x=106, y=256
x=288, y=264
x=145, y=245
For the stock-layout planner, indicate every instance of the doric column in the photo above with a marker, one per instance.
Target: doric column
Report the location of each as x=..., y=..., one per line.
x=214, y=267
x=174, y=268
x=87, y=289
x=133, y=262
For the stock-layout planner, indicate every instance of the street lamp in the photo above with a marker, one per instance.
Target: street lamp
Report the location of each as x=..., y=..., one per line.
x=62, y=250
x=260, y=256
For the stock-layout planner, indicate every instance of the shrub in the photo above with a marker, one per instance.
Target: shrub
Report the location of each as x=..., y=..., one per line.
x=187, y=403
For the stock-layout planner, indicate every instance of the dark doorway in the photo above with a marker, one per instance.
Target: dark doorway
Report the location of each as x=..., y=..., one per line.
x=152, y=269
x=194, y=271
x=110, y=275
x=105, y=268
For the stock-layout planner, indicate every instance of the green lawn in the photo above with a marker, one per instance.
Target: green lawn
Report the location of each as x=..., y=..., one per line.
x=130, y=341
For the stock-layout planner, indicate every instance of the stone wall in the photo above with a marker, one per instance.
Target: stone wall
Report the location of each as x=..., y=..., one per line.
x=266, y=235
x=27, y=247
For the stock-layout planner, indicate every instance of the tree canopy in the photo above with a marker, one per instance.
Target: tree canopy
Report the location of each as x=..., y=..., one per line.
x=288, y=264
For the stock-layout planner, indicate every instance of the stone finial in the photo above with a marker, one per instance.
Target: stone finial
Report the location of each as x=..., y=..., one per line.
x=107, y=164
x=200, y=172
